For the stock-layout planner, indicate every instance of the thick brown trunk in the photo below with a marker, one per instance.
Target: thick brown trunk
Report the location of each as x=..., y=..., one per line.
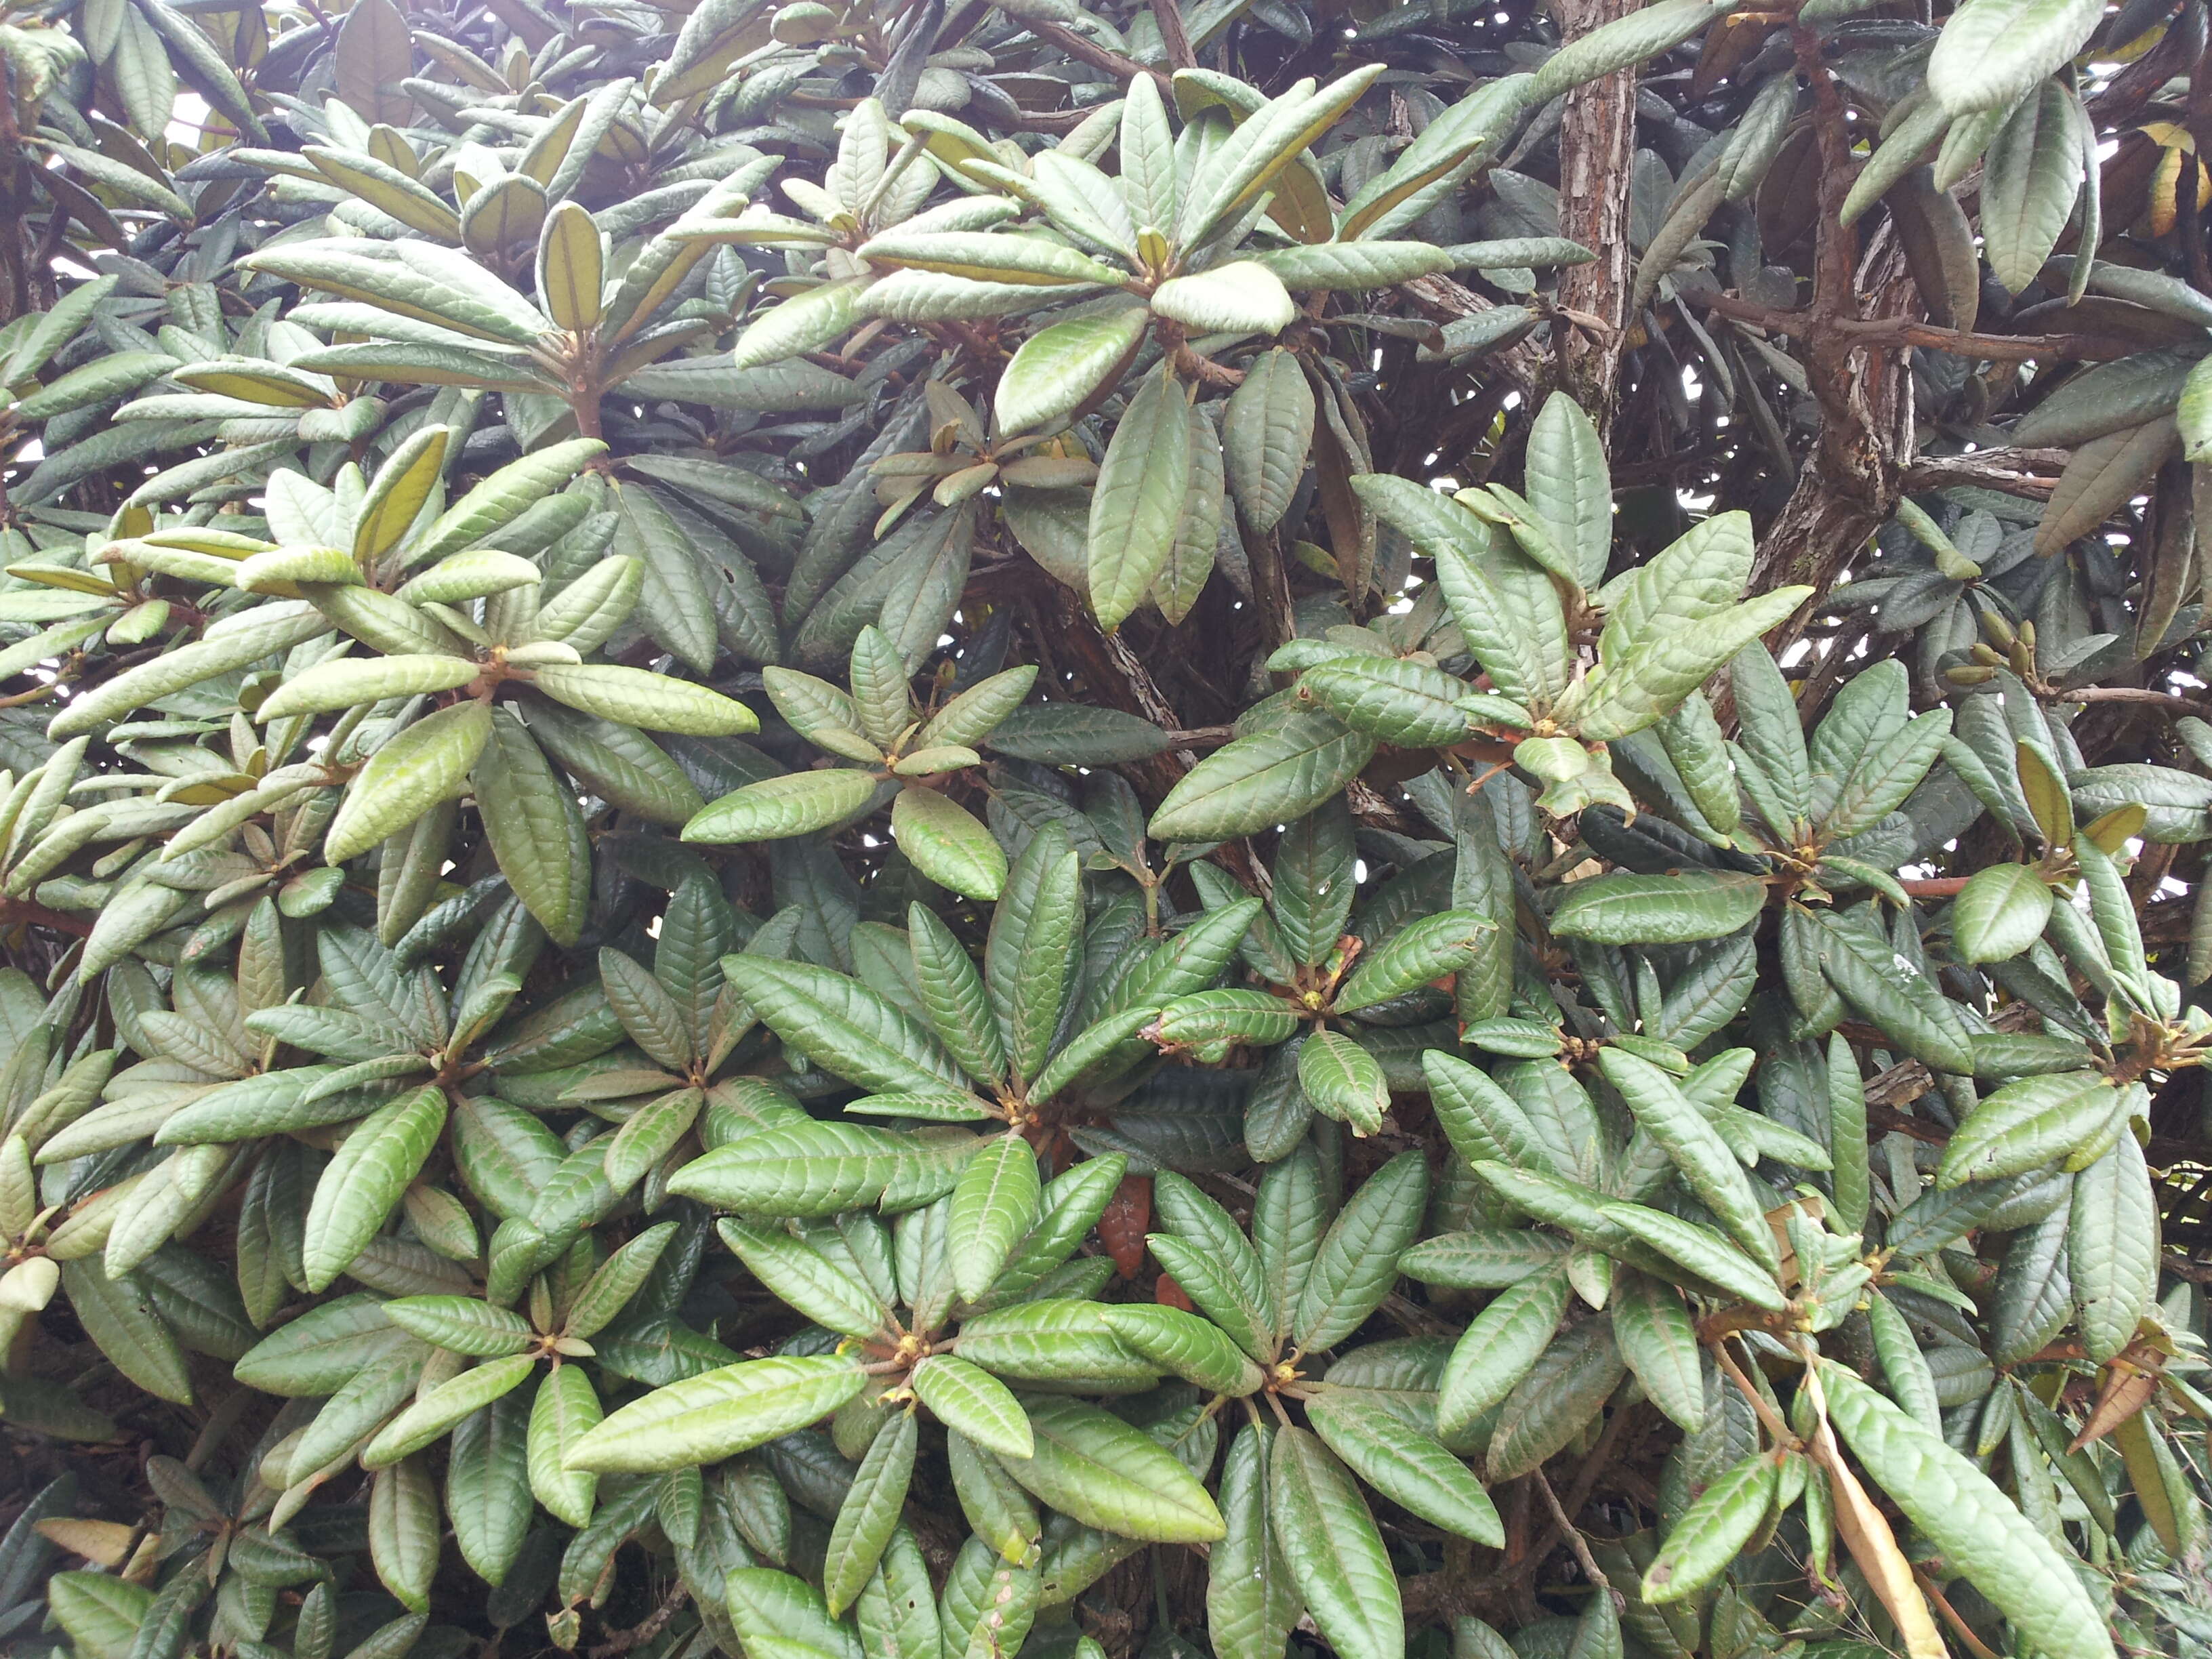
x=1849, y=483
x=1597, y=145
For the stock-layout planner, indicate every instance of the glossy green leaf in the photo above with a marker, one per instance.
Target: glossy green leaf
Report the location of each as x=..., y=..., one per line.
x=993, y=1205
x=1676, y=909
x=870, y=1510
x=1658, y=1339
x=429, y=1417
x=408, y=774
x=2025, y=1124
x=1343, y=1081
x=1251, y=1601
x=778, y=807
x=1411, y=1469
x=1095, y=1469
x=2113, y=1247
x=843, y=1024
x=801, y=1277
x=1991, y=51
x=566, y=1409
x=1061, y=368
x=1266, y=433
x=362, y=1184
x=1137, y=503
x=1981, y=1534
x=1257, y=781
x=659, y=702
x=1498, y=1346
x=715, y=1415
x=1193, y=1348
x=970, y=1400
x=1712, y=1532
x=1701, y=1158
x=1334, y=1553
x=947, y=843
x=2000, y=913
x=1357, y=1261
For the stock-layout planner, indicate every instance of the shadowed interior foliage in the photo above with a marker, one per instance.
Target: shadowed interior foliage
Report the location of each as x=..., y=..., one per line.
x=940, y=830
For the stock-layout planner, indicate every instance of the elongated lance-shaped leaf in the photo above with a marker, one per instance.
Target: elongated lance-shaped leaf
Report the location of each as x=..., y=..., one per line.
x=1990, y=51
x=246, y=638
x=1482, y=1121
x=947, y=842
x=1910, y=1011
x=1265, y=778
x=566, y=1408
x=953, y=996
x=462, y=1324
x=1980, y=1532
x=1570, y=486
x=1676, y=909
x=1701, y=1157
x=2113, y=1247
x=1035, y=941
x=1498, y=1346
x=1705, y=1254
x=1412, y=1468
x=1058, y=369
x=361, y=1184
x=1091, y=1465
x=993, y=1205
x=776, y=808
x=1358, y=1260
x=972, y=1402
x=804, y=1279
x=1713, y=1530
x=1264, y=436
x=2025, y=1124
x=1335, y=1554
x=843, y=1025
x=1342, y=1081
x=716, y=1415
x=444, y=1405
x=870, y=1511
x=1849, y=1190
x=1195, y=1349
x=1419, y=953
x=1251, y=1600
x=809, y=1168
x=1658, y=1339
x=1137, y=503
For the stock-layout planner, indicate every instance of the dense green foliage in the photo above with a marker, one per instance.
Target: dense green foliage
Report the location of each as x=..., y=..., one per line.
x=932, y=830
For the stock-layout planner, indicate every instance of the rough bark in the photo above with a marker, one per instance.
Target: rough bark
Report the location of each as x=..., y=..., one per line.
x=1597, y=146
x=1850, y=485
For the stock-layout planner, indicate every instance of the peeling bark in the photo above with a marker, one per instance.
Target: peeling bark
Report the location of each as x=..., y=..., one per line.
x=1597, y=146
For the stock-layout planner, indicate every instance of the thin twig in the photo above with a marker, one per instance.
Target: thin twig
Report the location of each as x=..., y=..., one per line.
x=1173, y=35
x=1202, y=736
x=1600, y=1455
x=1978, y=1648
x=2133, y=694
x=1767, y=1414
x=13, y=911
x=623, y=1641
x=2030, y=474
x=1591, y=1570
x=1908, y=331
x=1089, y=51
x=1205, y=369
